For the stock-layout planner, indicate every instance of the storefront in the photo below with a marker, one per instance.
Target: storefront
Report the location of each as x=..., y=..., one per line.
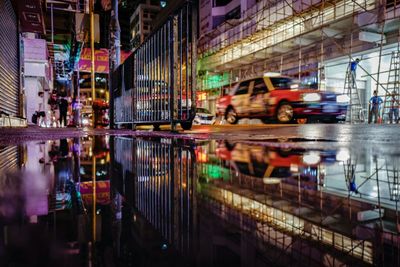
x=372, y=72
x=9, y=61
x=212, y=86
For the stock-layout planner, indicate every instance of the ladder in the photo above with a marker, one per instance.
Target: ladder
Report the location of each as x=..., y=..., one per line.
x=393, y=177
x=355, y=110
x=393, y=86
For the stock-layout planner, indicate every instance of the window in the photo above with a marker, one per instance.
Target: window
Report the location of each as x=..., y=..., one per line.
x=281, y=83
x=221, y=3
x=243, y=88
x=259, y=86
x=233, y=14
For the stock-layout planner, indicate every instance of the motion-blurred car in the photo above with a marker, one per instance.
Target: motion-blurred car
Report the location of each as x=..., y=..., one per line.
x=203, y=116
x=275, y=97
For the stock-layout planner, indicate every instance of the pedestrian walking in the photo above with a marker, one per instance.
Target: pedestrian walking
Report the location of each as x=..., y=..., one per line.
x=63, y=108
x=394, y=108
x=374, y=107
x=353, y=68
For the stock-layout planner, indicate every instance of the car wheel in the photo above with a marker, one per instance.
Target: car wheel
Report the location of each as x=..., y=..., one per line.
x=231, y=116
x=285, y=113
x=187, y=125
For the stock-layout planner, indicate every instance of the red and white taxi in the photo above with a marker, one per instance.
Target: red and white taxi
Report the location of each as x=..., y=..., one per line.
x=276, y=97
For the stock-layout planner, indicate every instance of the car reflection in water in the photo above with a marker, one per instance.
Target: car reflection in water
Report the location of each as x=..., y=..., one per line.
x=273, y=164
x=171, y=202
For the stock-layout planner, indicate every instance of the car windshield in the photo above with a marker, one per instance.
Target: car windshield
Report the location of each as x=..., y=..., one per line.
x=202, y=110
x=283, y=83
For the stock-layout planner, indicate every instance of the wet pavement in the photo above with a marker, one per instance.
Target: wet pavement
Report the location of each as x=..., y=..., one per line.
x=312, y=195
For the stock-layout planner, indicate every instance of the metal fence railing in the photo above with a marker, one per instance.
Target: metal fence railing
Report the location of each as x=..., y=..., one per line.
x=156, y=84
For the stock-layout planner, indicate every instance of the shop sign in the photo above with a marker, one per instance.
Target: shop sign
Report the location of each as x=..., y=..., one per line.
x=35, y=49
x=101, y=58
x=215, y=81
x=102, y=192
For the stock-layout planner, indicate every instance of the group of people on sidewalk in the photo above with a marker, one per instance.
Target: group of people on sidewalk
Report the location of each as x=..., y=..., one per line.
x=56, y=101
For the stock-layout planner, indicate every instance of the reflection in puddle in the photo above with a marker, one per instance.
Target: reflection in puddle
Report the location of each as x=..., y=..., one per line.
x=119, y=201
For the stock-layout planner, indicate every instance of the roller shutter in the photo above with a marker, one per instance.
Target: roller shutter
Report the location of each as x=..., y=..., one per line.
x=9, y=59
x=9, y=159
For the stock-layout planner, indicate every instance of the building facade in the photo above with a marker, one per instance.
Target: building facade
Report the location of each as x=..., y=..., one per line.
x=313, y=41
x=141, y=21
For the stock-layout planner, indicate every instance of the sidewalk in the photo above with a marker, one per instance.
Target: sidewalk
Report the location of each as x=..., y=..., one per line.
x=10, y=136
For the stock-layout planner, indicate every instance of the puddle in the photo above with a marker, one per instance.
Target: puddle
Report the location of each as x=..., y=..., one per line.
x=172, y=202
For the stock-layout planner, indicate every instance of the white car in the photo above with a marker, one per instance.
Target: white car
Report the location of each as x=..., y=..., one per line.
x=203, y=116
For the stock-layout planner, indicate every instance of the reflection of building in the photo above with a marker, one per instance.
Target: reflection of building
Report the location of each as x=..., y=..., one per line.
x=94, y=147
x=101, y=97
x=300, y=208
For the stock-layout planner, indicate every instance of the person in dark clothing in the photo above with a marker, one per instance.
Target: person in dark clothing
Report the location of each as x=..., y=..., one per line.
x=64, y=149
x=63, y=107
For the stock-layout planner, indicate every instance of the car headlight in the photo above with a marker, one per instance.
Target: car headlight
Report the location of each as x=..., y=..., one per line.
x=311, y=158
x=342, y=155
x=343, y=99
x=311, y=97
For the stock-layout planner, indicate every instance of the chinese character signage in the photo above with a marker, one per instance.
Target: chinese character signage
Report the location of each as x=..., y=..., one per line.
x=102, y=192
x=100, y=60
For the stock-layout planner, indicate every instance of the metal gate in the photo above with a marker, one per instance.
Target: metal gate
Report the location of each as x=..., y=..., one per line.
x=156, y=84
x=9, y=60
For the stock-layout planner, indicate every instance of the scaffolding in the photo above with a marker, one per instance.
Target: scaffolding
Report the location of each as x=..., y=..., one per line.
x=355, y=112
x=296, y=38
x=391, y=104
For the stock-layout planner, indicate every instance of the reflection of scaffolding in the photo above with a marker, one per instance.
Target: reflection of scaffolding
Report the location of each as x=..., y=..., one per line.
x=393, y=89
x=291, y=212
x=296, y=37
x=288, y=226
x=393, y=176
x=355, y=111
x=349, y=167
